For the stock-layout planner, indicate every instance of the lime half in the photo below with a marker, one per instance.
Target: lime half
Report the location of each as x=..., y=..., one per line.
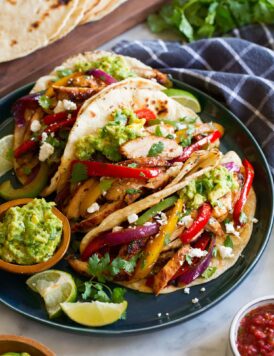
x=6, y=144
x=55, y=287
x=94, y=313
x=185, y=98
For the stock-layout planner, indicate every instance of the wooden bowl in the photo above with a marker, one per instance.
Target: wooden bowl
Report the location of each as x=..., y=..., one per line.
x=14, y=343
x=59, y=253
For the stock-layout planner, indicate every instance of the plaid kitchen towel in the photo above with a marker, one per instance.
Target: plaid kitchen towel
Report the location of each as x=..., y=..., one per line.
x=238, y=71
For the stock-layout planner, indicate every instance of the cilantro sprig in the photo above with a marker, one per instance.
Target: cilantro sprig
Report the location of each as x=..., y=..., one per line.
x=195, y=19
x=156, y=149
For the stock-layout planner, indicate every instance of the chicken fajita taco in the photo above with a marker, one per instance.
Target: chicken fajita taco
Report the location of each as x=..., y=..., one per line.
x=44, y=118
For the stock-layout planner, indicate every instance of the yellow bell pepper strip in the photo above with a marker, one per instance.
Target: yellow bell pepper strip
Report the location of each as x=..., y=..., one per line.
x=61, y=82
x=155, y=246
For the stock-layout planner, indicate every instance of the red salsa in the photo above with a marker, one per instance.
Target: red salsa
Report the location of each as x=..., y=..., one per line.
x=256, y=332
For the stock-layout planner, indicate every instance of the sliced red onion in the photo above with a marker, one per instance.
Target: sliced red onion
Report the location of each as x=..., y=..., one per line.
x=231, y=166
x=19, y=107
x=197, y=269
x=100, y=74
x=119, y=238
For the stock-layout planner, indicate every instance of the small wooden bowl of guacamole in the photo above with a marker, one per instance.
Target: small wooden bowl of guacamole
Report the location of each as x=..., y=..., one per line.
x=14, y=345
x=34, y=235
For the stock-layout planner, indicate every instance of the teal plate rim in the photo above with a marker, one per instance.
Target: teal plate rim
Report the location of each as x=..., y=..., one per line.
x=11, y=97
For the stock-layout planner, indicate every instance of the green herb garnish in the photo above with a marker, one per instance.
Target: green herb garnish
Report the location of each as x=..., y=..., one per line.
x=45, y=102
x=228, y=242
x=61, y=73
x=156, y=149
x=79, y=173
x=209, y=272
x=133, y=191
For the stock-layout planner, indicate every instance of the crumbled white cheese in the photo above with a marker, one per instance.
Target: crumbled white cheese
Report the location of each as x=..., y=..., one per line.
x=197, y=252
x=94, y=207
x=35, y=126
x=44, y=136
x=117, y=228
x=203, y=289
x=65, y=105
x=195, y=300
x=161, y=218
x=225, y=252
x=148, y=223
x=187, y=290
x=132, y=218
x=254, y=220
x=186, y=221
x=181, y=126
x=46, y=150
x=229, y=228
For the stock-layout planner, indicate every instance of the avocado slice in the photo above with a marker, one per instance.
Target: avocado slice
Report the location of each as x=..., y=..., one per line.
x=31, y=190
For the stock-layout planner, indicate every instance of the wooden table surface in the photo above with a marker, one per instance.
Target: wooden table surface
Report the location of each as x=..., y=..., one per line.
x=18, y=72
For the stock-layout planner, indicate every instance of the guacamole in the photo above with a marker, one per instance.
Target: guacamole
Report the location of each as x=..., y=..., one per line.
x=209, y=187
x=116, y=66
x=124, y=126
x=29, y=234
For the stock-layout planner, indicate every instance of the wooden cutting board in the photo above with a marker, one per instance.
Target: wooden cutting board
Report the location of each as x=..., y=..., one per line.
x=15, y=73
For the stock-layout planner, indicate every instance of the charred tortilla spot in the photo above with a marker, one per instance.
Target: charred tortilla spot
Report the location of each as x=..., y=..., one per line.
x=13, y=42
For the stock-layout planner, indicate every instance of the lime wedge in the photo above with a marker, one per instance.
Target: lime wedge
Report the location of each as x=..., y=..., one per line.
x=94, y=313
x=55, y=287
x=6, y=144
x=185, y=98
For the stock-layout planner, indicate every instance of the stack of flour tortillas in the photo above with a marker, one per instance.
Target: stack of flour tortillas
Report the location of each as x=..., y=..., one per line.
x=26, y=25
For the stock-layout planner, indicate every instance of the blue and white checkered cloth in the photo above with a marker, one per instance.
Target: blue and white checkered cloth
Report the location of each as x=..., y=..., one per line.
x=237, y=70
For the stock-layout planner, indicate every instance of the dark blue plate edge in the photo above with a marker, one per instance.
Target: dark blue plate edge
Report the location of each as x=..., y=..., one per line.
x=99, y=332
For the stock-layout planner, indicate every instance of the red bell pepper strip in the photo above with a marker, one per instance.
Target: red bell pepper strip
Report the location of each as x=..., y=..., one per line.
x=145, y=114
x=100, y=169
x=26, y=146
x=187, y=152
x=202, y=244
x=51, y=119
x=249, y=175
x=204, y=214
x=58, y=125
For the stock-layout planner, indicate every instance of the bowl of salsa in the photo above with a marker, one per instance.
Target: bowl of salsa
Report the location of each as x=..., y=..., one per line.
x=252, y=329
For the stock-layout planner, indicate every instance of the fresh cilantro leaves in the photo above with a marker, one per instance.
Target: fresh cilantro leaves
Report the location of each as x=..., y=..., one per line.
x=105, y=269
x=79, y=173
x=188, y=259
x=132, y=191
x=61, y=73
x=45, y=102
x=95, y=291
x=105, y=184
x=197, y=19
x=228, y=242
x=209, y=272
x=132, y=165
x=156, y=149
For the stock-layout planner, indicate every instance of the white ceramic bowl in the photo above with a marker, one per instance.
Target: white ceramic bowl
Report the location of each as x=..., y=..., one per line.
x=232, y=349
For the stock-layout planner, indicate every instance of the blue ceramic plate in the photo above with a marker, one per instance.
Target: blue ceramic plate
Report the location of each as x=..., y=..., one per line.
x=177, y=307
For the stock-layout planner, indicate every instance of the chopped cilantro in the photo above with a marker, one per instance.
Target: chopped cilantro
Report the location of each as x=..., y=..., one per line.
x=185, y=142
x=79, y=173
x=158, y=131
x=105, y=184
x=26, y=170
x=132, y=165
x=214, y=252
x=142, y=174
x=133, y=191
x=45, y=102
x=9, y=154
x=102, y=268
x=61, y=73
x=188, y=259
x=243, y=218
x=170, y=136
x=156, y=149
x=228, y=242
x=209, y=272
x=118, y=295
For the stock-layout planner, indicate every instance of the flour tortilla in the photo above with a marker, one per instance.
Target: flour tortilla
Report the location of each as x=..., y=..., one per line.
x=100, y=10
x=135, y=93
x=28, y=25
x=139, y=68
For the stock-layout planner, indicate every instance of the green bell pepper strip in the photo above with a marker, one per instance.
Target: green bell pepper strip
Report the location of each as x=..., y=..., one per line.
x=150, y=213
